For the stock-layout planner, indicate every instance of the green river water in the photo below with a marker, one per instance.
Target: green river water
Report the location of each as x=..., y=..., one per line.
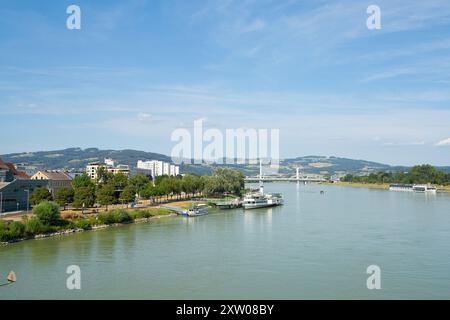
x=315, y=246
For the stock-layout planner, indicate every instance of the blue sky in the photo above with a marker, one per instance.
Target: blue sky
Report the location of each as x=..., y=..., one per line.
x=139, y=69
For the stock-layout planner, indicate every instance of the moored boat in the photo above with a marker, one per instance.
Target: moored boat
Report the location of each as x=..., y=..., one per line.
x=423, y=188
x=196, y=210
x=229, y=205
x=259, y=199
x=262, y=200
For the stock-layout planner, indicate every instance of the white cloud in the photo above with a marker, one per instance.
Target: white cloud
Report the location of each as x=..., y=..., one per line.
x=144, y=117
x=397, y=144
x=445, y=142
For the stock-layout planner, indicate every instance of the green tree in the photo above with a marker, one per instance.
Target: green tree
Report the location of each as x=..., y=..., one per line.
x=48, y=213
x=40, y=194
x=149, y=191
x=224, y=180
x=104, y=176
x=106, y=195
x=139, y=182
x=64, y=196
x=83, y=196
x=120, y=181
x=128, y=194
x=188, y=184
x=82, y=181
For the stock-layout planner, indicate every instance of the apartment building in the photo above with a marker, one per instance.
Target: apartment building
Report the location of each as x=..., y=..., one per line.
x=92, y=168
x=159, y=168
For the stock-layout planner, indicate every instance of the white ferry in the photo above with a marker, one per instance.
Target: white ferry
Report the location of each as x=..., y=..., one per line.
x=262, y=200
x=197, y=210
x=425, y=188
x=259, y=199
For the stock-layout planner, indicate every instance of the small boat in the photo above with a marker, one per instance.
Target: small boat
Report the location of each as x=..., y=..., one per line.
x=196, y=210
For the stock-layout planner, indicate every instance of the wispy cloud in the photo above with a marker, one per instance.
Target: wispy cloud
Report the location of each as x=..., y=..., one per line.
x=445, y=142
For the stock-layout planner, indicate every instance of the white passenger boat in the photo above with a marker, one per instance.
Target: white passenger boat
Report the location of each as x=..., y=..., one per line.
x=262, y=200
x=424, y=188
x=259, y=199
x=196, y=210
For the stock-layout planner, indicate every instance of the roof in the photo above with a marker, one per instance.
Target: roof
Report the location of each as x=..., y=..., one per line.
x=10, y=167
x=56, y=175
x=3, y=165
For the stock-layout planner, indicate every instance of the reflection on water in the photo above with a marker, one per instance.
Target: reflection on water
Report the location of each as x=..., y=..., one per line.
x=315, y=246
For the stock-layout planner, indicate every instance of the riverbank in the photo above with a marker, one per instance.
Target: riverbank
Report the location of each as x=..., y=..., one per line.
x=384, y=186
x=93, y=222
x=357, y=185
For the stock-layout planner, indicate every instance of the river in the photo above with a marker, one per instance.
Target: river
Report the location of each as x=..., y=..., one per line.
x=316, y=246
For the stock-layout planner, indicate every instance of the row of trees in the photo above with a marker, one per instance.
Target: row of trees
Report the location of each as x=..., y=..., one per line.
x=118, y=188
x=417, y=175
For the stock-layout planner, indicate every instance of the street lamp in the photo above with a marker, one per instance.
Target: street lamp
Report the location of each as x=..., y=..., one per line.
x=1, y=203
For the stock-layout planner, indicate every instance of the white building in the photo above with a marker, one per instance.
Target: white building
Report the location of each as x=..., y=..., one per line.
x=92, y=168
x=109, y=162
x=159, y=168
x=174, y=170
x=166, y=168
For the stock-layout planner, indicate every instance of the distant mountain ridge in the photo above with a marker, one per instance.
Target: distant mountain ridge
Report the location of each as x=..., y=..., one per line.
x=78, y=158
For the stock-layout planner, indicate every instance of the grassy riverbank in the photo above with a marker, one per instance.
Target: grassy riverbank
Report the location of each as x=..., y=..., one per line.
x=33, y=228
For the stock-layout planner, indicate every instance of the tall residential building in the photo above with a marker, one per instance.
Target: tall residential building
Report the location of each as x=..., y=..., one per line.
x=174, y=170
x=91, y=169
x=166, y=168
x=159, y=168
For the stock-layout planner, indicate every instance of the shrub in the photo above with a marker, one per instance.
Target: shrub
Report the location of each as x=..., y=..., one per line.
x=48, y=213
x=16, y=229
x=3, y=225
x=139, y=214
x=83, y=224
x=4, y=232
x=34, y=226
x=121, y=216
x=134, y=215
x=106, y=218
x=39, y=195
x=5, y=236
x=145, y=214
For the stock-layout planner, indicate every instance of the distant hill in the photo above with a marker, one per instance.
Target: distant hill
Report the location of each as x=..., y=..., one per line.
x=77, y=159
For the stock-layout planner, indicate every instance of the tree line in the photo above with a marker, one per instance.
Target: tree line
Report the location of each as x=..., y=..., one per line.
x=421, y=174
x=109, y=188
